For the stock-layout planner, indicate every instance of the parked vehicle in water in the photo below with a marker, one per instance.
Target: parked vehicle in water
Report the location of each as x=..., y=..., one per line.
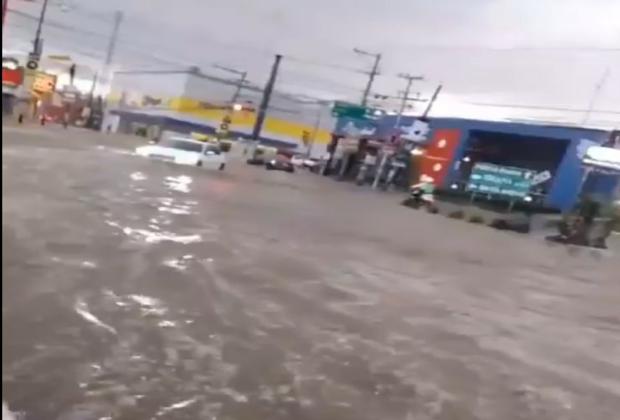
x=185, y=151
x=311, y=163
x=280, y=163
x=298, y=160
x=302, y=161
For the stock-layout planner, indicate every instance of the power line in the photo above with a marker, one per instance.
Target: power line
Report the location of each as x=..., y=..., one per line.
x=55, y=24
x=488, y=48
x=540, y=107
x=136, y=50
x=324, y=64
x=240, y=83
x=325, y=81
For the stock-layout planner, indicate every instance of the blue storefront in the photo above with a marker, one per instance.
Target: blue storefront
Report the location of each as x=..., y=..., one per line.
x=556, y=149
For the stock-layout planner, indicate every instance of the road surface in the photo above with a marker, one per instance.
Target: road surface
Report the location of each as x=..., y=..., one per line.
x=137, y=290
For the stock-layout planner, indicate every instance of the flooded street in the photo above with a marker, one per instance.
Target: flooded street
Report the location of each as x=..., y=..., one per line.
x=135, y=289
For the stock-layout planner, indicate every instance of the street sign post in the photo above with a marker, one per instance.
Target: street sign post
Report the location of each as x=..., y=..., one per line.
x=487, y=178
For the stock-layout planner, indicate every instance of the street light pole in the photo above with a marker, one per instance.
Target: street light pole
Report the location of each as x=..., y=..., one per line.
x=371, y=74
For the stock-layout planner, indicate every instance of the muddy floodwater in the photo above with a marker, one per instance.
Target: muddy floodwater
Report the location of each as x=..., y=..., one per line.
x=138, y=290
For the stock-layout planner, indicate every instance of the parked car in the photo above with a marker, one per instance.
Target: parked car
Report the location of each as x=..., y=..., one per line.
x=256, y=161
x=298, y=160
x=185, y=151
x=311, y=163
x=261, y=155
x=280, y=163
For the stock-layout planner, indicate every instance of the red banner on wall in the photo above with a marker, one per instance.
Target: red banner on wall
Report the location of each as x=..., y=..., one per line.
x=12, y=77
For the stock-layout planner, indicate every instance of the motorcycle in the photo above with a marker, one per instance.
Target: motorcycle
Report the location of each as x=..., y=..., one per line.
x=420, y=195
x=362, y=174
x=395, y=167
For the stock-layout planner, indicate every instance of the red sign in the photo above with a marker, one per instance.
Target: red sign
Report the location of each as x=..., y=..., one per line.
x=12, y=77
x=439, y=154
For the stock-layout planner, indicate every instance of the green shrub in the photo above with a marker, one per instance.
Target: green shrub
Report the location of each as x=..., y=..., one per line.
x=458, y=214
x=477, y=219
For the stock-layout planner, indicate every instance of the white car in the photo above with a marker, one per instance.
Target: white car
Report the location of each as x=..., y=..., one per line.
x=297, y=160
x=184, y=151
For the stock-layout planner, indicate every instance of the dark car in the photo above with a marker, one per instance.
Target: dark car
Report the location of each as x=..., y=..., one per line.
x=256, y=161
x=280, y=164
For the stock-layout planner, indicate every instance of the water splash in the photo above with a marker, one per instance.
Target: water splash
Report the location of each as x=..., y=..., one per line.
x=149, y=305
x=138, y=176
x=176, y=406
x=6, y=414
x=157, y=237
x=81, y=308
x=178, y=183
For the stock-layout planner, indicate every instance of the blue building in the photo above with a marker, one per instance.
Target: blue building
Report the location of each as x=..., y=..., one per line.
x=454, y=145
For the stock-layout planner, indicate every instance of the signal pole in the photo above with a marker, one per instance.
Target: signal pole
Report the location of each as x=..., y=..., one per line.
x=371, y=74
x=262, y=110
x=409, y=78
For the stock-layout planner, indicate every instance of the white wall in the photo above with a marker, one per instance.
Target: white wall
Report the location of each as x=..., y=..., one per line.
x=205, y=89
x=156, y=85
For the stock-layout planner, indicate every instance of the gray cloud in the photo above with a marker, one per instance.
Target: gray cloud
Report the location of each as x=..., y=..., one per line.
x=540, y=52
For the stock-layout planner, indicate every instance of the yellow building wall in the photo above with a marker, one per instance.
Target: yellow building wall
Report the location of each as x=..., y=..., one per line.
x=273, y=126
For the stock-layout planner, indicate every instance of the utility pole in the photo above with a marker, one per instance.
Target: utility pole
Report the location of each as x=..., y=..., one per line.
x=103, y=73
x=262, y=110
x=371, y=74
x=431, y=102
x=5, y=6
x=91, y=97
x=240, y=83
x=118, y=18
x=409, y=78
x=37, y=46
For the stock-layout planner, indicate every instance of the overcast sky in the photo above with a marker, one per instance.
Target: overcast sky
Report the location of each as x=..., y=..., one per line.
x=550, y=53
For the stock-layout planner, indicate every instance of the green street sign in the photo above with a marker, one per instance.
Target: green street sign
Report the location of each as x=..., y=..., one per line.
x=487, y=178
x=345, y=109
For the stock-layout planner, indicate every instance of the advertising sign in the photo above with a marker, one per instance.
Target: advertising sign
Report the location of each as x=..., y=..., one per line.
x=487, y=178
x=43, y=82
